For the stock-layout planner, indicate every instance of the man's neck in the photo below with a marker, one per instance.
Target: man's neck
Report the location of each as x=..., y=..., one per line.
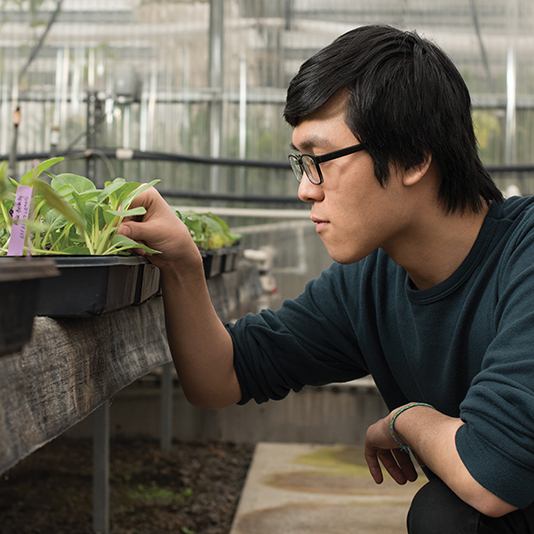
x=439, y=246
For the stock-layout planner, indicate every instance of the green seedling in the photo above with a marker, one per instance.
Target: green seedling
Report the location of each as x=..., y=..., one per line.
x=4, y=181
x=71, y=216
x=208, y=230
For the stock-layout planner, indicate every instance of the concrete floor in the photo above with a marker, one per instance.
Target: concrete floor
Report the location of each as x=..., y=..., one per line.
x=311, y=489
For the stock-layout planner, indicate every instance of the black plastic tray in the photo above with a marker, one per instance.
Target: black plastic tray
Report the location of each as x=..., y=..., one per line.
x=148, y=283
x=20, y=280
x=213, y=261
x=91, y=285
x=221, y=260
x=231, y=255
x=95, y=285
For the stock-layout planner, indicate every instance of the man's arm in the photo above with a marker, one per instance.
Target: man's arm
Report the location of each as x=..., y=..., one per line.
x=201, y=347
x=431, y=436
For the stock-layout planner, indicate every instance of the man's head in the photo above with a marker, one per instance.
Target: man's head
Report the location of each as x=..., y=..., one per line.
x=406, y=99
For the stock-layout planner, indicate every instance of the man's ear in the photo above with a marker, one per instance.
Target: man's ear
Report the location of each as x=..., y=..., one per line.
x=414, y=174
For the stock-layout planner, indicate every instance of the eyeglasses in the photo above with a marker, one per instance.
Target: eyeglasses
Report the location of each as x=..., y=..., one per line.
x=309, y=164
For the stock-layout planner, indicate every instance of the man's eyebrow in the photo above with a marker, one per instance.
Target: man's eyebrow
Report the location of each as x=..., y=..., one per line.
x=306, y=146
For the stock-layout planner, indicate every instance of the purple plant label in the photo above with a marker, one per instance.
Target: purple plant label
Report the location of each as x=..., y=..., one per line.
x=21, y=211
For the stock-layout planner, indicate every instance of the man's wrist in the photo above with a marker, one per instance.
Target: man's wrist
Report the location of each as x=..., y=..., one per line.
x=393, y=418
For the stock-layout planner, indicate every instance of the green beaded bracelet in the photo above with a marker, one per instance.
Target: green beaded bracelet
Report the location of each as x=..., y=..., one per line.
x=397, y=413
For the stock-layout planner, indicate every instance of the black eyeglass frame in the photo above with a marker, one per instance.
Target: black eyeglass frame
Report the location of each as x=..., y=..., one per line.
x=320, y=159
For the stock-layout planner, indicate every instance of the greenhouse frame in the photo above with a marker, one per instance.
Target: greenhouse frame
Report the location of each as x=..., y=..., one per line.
x=180, y=89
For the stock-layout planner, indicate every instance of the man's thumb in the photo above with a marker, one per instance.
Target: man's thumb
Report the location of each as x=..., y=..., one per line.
x=125, y=230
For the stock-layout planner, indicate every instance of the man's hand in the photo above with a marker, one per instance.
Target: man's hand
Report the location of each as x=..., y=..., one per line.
x=161, y=229
x=380, y=448
x=431, y=437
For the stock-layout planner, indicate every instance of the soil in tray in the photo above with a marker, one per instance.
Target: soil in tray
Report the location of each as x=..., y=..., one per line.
x=193, y=488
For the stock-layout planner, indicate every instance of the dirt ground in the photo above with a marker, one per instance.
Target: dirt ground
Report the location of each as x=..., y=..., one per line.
x=192, y=489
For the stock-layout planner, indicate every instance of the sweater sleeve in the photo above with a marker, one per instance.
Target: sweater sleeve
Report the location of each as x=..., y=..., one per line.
x=309, y=341
x=497, y=441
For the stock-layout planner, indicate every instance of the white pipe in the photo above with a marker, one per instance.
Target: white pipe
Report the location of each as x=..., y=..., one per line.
x=511, y=84
x=248, y=212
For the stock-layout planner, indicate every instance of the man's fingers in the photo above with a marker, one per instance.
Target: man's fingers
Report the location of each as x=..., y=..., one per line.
x=391, y=466
x=132, y=229
x=406, y=465
x=396, y=462
x=374, y=467
x=146, y=198
x=125, y=230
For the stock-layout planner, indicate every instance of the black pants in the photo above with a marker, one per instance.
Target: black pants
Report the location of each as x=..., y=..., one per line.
x=437, y=510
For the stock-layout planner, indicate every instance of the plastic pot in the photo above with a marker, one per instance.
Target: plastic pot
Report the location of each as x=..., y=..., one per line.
x=20, y=281
x=213, y=260
x=221, y=260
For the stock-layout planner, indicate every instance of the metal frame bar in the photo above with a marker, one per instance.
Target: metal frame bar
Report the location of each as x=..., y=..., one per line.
x=101, y=469
x=166, y=406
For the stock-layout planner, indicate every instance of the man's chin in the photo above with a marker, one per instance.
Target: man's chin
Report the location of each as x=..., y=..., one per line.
x=344, y=257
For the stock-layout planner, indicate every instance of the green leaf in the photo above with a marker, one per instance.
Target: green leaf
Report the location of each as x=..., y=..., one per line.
x=76, y=251
x=110, y=189
x=211, y=223
x=216, y=241
x=110, y=218
x=125, y=243
x=4, y=182
x=98, y=217
x=117, y=197
x=208, y=230
x=80, y=201
x=56, y=202
x=194, y=225
x=62, y=189
x=54, y=220
x=222, y=224
x=138, y=191
x=34, y=173
x=80, y=184
x=128, y=213
x=74, y=236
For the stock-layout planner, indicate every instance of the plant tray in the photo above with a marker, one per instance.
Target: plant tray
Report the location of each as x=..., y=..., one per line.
x=91, y=285
x=20, y=279
x=218, y=261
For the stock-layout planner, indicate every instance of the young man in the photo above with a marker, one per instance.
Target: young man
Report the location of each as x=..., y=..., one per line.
x=431, y=292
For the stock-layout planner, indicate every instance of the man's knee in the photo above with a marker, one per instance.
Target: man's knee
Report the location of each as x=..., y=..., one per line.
x=436, y=509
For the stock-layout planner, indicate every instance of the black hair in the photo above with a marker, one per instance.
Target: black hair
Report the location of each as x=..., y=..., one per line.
x=406, y=99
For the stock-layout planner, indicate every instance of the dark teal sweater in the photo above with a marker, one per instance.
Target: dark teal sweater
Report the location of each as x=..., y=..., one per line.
x=466, y=346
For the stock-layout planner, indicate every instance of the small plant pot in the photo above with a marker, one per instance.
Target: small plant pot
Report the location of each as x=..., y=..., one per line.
x=90, y=285
x=213, y=262
x=20, y=280
x=230, y=258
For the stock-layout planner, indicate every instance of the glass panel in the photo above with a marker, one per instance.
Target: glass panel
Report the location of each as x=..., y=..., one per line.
x=148, y=62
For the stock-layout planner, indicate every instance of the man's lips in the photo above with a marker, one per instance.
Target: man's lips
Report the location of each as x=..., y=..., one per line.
x=320, y=224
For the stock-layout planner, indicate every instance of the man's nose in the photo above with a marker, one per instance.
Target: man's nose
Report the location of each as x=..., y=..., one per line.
x=309, y=192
